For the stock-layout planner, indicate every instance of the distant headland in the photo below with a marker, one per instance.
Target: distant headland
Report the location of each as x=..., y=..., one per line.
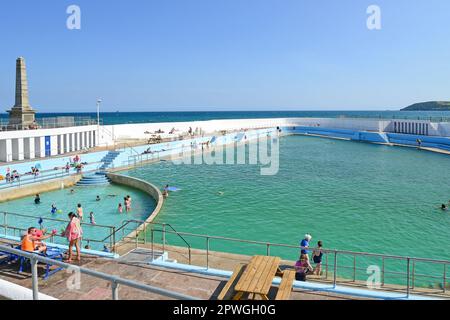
x=429, y=106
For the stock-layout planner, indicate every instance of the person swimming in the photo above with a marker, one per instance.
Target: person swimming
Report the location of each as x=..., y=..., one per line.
x=220, y=193
x=54, y=209
x=37, y=199
x=444, y=207
x=98, y=198
x=120, y=208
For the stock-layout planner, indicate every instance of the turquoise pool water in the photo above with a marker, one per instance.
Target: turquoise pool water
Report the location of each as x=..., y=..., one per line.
x=352, y=196
x=105, y=211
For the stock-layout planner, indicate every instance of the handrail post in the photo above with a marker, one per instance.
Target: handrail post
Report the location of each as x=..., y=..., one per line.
x=413, y=274
x=335, y=269
x=408, y=277
x=153, y=248
x=445, y=279
x=114, y=239
x=207, y=253
x=268, y=249
x=115, y=290
x=354, y=268
x=164, y=238
x=5, y=222
x=145, y=232
x=34, y=278
x=326, y=267
x=382, y=272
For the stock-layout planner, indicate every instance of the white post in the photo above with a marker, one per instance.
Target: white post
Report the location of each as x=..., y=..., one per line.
x=6, y=150
x=53, y=145
x=91, y=139
x=82, y=142
x=29, y=149
x=72, y=142
x=66, y=143
x=39, y=147
x=17, y=149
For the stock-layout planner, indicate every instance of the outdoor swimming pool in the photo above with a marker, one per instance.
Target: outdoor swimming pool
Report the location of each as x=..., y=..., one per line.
x=352, y=196
x=105, y=210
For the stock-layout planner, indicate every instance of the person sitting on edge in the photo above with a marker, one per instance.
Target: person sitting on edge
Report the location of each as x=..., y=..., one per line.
x=37, y=199
x=317, y=258
x=32, y=243
x=302, y=268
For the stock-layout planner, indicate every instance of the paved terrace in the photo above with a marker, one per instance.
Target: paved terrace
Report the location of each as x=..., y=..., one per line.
x=196, y=285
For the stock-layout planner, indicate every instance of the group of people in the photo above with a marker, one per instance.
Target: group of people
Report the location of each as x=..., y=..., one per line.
x=303, y=266
x=32, y=240
x=10, y=177
x=126, y=204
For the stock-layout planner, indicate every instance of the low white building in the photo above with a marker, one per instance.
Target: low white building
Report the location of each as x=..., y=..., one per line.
x=41, y=143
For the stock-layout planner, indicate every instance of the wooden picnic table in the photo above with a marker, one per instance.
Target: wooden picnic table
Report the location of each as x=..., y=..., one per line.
x=258, y=276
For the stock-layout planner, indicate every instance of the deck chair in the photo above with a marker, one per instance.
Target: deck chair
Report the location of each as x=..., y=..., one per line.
x=52, y=253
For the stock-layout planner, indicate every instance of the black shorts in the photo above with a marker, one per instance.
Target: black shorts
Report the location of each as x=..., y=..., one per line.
x=300, y=276
x=317, y=259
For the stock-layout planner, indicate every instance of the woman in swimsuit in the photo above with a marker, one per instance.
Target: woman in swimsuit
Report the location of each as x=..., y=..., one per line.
x=317, y=258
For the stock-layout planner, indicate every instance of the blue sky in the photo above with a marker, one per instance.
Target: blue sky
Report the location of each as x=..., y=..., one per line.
x=156, y=55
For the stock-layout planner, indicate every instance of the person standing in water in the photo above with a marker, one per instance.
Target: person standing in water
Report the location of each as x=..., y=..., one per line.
x=37, y=199
x=92, y=218
x=80, y=212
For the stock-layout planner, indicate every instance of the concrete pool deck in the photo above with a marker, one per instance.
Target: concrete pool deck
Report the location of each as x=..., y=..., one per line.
x=200, y=286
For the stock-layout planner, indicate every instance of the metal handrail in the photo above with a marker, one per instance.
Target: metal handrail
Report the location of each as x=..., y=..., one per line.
x=145, y=223
x=43, y=178
x=111, y=229
x=410, y=274
x=114, y=280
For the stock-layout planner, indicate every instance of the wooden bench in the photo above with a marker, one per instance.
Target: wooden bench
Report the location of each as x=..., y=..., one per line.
x=228, y=291
x=285, y=288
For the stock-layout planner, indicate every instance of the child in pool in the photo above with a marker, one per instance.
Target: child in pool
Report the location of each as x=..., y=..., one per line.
x=54, y=209
x=120, y=208
x=80, y=211
x=92, y=218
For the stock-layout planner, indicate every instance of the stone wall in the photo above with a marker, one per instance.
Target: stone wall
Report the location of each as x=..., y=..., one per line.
x=146, y=187
x=41, y=187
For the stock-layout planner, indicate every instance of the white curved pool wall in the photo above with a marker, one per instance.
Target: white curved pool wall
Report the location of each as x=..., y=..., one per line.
x=138, y=131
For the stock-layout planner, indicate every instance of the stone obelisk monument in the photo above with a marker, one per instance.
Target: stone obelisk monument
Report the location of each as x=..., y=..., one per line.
x=21, y=116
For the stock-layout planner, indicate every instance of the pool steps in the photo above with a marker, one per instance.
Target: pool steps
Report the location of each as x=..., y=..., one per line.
x=96, y=179
x=109, y=159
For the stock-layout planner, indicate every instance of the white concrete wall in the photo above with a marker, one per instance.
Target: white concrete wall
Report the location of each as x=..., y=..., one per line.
x=28, y=144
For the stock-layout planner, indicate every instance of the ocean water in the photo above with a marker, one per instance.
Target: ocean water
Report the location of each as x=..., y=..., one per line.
x=109, y=118
x=352, y=196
